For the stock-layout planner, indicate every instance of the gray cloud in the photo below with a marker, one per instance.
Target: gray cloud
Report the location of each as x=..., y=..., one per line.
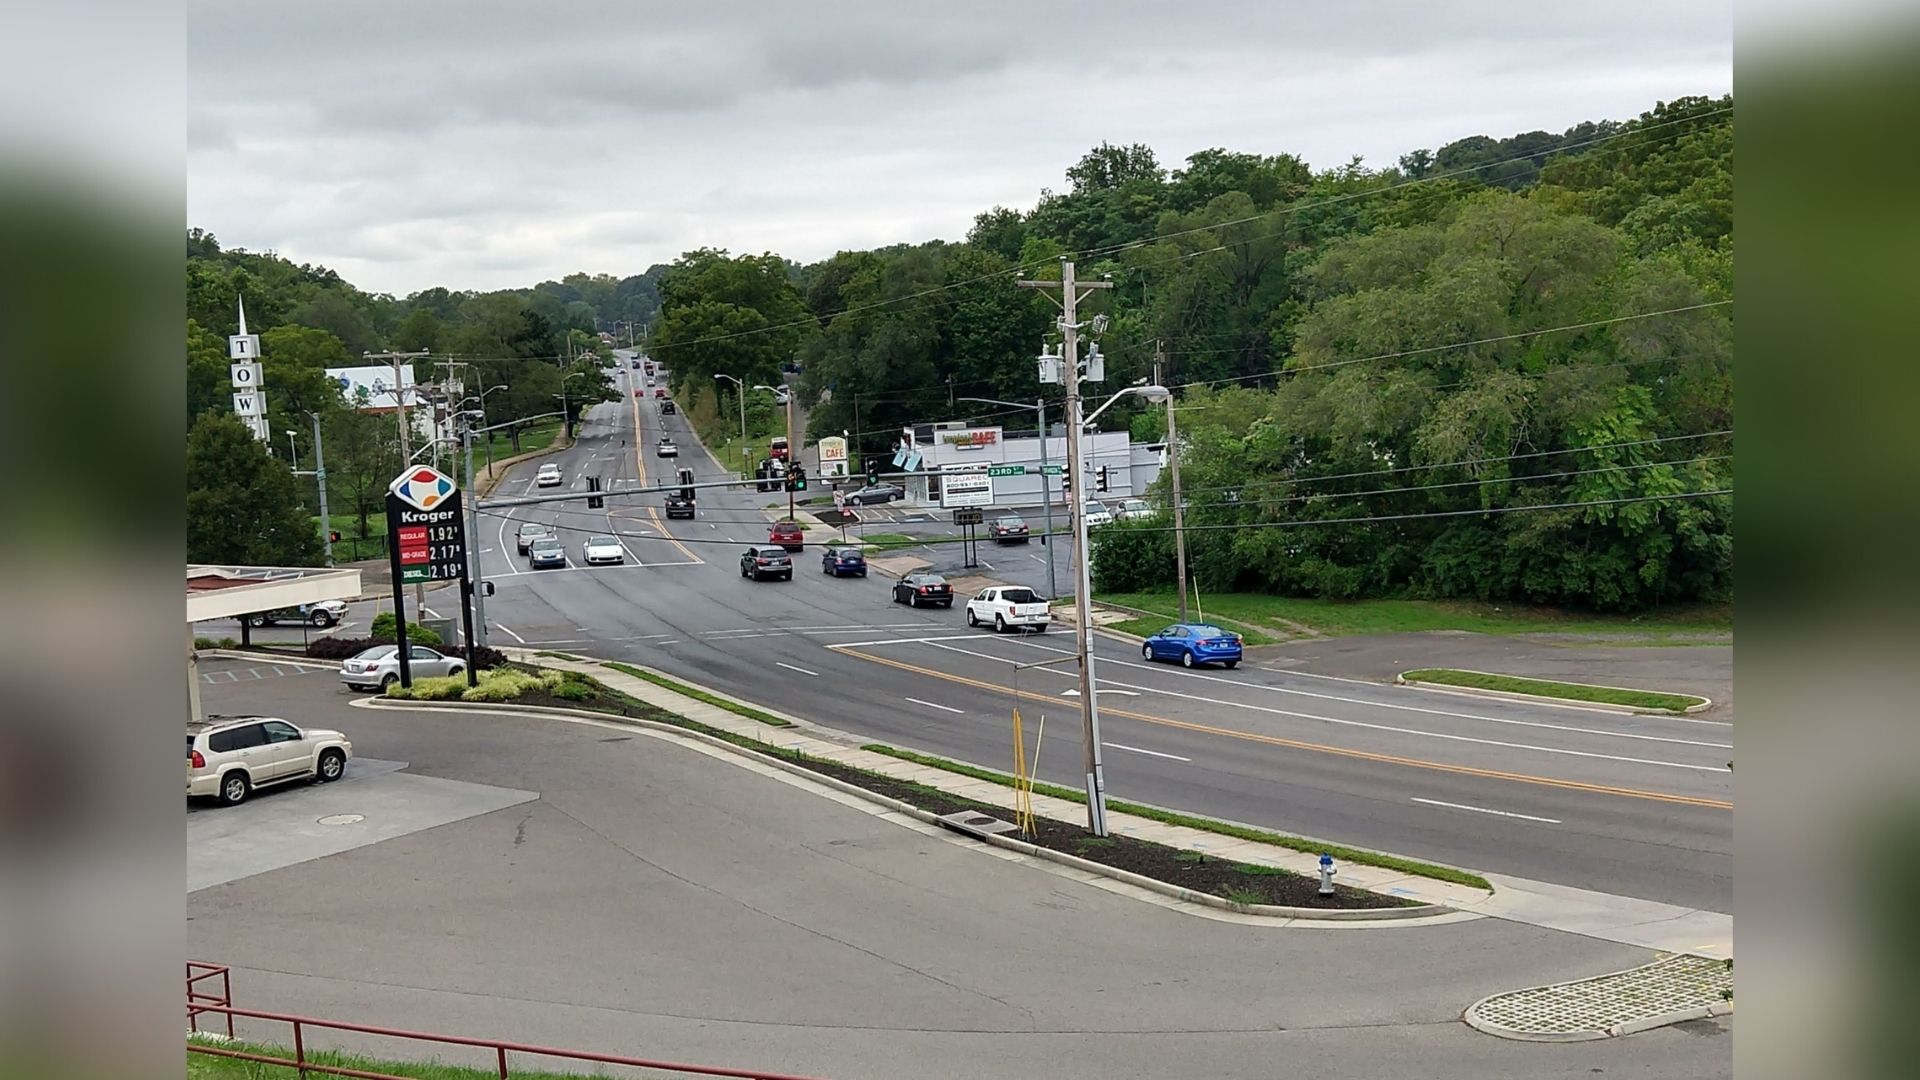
x=491, y=144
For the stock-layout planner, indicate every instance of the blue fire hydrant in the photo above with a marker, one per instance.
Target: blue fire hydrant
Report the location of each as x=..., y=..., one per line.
x=1326, y=874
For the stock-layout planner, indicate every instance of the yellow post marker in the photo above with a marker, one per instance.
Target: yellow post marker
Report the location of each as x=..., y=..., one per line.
x=1022, y=779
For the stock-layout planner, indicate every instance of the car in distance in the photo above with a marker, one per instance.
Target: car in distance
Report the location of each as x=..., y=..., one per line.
x=1009, y=606
x=322, y=614
x=529, y=532
x=916, y=589
x=1193, y=644
x=666, y=407
x=1011, y=529
x=1097, y=514
x=546, y=553
x=659, y=391
x=548, y=476
x=666, y=448
x=602, y=549
x=230, y=756
x=679, y=505
x=787, y=534
x=379, y=667
x=766, y=562
x=875, y=493
x=1134, y=510
x=843, y=560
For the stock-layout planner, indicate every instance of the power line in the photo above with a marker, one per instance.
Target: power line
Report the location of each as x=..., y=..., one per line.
x=1447, y=513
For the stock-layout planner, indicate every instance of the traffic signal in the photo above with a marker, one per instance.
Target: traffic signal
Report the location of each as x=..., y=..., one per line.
x=1100, y=478
x=686, y=484
x=594, y=502
x=1066, y=479
x=797, y=478
x=873, y=475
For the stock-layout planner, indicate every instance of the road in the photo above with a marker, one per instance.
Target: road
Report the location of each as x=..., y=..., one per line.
x=1631, y=805
x=591, y=885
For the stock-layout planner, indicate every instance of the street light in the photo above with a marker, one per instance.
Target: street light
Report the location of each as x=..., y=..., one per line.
x=293, y=456
x=743, y=405
x=784, y=397
x=566, y=414
x=1046, y=497
x=483, y=420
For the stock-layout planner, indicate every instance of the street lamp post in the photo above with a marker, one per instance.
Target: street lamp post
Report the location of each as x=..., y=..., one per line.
x=1046, y=497
x=566, y=414
x=483, y=420
x=793, y=451
x=743, y=404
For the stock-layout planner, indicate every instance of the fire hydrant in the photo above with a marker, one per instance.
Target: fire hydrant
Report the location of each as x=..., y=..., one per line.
x=1326, y=874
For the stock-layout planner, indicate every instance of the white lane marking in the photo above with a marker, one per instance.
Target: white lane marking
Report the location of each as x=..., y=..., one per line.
x=1137, y=750
x=942, y=708
x=510, y=633
x=790, y=667
x=1036, y=558
x=1103, y=690
x=901, y=641
x=1376, y=727
x=1481, y=810
x=731, y=540
x=987, y=564
x=1403, y=708
x=669, y=641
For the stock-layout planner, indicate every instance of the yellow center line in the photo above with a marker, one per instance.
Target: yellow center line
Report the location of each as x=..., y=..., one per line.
x=1296, y=744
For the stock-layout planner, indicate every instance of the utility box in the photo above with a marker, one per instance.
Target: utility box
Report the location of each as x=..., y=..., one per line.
x=443, y=627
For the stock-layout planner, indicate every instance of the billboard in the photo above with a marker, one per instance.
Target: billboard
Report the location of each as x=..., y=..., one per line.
x=965, y=489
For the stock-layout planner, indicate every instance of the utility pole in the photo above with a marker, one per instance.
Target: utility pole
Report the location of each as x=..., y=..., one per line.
x=793, y=452
x=406, y=435
x=1096, y=780
x=320, y=478
x=477, y=582
x=1173, y=464
x=1046, y=498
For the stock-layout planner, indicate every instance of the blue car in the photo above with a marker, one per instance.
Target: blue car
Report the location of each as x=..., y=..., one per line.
x=1193, y=644
x=843, y=560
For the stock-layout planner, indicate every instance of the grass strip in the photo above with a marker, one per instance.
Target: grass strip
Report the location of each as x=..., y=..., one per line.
x=211, y=1067
x=1293, y=616
x=888, y=541
x=1515, y=684
x=717, y=702
x=1169, y=817
x=1149, y=625
x=561, y=656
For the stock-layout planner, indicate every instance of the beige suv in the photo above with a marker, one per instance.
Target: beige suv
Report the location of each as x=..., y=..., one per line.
x=229, y=756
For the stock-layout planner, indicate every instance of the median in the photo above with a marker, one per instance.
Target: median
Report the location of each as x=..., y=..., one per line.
x=1588, y=693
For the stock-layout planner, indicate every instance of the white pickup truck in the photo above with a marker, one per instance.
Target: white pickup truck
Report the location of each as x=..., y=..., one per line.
x=1006, y=606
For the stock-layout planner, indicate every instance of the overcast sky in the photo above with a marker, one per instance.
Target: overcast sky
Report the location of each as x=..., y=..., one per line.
x=485, y=145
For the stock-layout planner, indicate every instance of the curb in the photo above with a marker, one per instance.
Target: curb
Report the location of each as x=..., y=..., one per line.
x=490, y=478
x=1383, y=915
x=290, y=661
x=1705, y=702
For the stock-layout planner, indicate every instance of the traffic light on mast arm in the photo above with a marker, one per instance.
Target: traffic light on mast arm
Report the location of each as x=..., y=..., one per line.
x=686, y=483
x=797, y=478
x=1100, y=478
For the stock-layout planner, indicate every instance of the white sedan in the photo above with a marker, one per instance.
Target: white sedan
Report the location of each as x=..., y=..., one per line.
x=548, y=476
x=603, y=549
x=1097, y=514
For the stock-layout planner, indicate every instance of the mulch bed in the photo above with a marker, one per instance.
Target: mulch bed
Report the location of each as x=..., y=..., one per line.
x=1240, y=882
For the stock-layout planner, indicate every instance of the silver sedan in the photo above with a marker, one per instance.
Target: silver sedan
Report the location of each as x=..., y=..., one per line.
x=379, y=667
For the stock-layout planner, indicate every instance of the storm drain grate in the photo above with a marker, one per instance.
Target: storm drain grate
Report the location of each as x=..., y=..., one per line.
x=1667, y=991
x=977, y=824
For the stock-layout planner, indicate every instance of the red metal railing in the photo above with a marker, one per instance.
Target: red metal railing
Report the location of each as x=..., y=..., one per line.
x=220, y=1004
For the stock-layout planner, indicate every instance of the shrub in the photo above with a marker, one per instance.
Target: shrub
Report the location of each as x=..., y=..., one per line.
x=384, y=627
x=575, y=690
x=210, y=643
x=500, y=685
x=443, y=688
x=486, y=658
x=338, y=648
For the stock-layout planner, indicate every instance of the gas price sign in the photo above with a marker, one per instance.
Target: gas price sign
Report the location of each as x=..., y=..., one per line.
x=425, y=531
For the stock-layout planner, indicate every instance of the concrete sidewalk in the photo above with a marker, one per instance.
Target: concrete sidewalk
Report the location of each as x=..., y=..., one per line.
x=1626, y=920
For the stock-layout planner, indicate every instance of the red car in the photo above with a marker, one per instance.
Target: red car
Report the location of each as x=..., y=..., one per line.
x=659, y=391
x=787, y=534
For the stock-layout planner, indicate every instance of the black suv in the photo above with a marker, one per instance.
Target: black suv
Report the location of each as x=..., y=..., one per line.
x=679, y=505
x=765, y=562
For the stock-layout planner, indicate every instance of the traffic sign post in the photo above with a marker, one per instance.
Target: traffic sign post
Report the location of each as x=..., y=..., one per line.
x=426, y=542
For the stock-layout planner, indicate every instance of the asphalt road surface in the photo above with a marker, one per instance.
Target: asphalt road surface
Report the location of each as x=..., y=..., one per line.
x=589, y=885
x=1632, y=805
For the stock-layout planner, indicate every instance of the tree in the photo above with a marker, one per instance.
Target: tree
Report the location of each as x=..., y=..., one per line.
x=363, y=457
x=207, y=372
x=242, y=509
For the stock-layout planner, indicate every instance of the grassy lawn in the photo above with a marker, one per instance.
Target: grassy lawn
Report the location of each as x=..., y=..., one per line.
x=208, y=1067
x=1288, y=616
x=532, y=437
x=677, y=687
x=1241, y=832
x=1514, y=684
x=890, y=541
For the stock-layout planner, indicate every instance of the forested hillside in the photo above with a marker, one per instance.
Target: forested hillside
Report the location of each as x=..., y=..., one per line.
x=1501, y=369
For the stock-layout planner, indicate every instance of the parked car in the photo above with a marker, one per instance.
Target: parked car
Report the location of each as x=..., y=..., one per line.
x=875, y=493
x=1009, y=530
x=666, y=448
x=323, y=614
x=529, y=532
x=679, y=505
x=1193, y=643
x=229, y=756
x=1134, y=510
x=1097, y=514
x=766, y=562
x=843, y=560
x=916, y=589
x=787, y=534
x=602, y=549
x=1009, y=605
x=666, y=407
x=548, y=476
x=546, y=553
x=379, y=667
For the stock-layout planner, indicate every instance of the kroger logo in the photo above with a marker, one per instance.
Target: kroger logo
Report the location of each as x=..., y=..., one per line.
x=422, y=488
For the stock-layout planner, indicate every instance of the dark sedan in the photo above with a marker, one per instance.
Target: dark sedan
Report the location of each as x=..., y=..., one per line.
x=766, y=562
x=843, y=560
x=546, y=553
x=1008, y=530
x=916, y=589
x=679, y=506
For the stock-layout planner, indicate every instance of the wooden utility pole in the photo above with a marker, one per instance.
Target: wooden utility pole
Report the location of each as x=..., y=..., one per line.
x=1173, y=463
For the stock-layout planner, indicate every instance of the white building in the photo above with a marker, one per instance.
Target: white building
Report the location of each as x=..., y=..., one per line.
x=957, y=447
x=372, y=389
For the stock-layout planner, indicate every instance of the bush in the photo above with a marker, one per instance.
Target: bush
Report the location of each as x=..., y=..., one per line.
x=338, y=648
x=500, y=685
x=384, y=626
x=486, y=658
x=209, y=643
x=442, y=688
x=1130, y=556
x=575, y=690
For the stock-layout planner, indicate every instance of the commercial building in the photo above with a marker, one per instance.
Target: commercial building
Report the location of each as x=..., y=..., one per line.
x=1014, y=456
